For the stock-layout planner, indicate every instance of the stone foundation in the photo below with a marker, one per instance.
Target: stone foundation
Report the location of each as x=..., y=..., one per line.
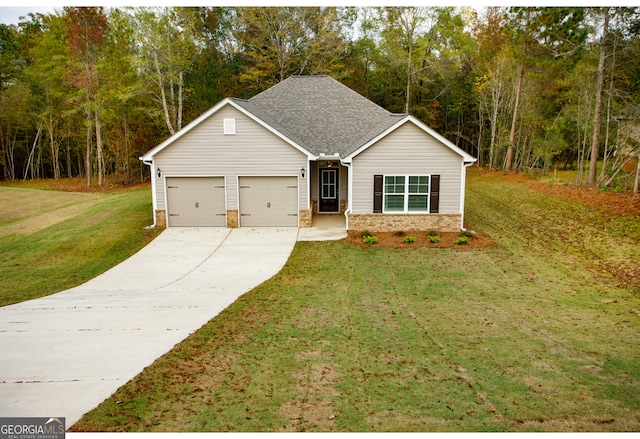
x=161, y=219
x=383, y=222
x=305, y=219
x=232, y=219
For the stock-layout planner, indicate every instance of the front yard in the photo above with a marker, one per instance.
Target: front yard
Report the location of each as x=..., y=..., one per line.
x=538, y=332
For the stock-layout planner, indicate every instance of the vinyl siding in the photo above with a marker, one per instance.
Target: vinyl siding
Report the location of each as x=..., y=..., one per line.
x=407, y=151
x=206, y=151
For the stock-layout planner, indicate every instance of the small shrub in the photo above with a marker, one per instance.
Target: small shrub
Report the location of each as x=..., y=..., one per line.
x=365, y=233
x=462, y=240
x=467, y=234
x=432, y=233
x=434, y=239
x=409, y=240
x=399, y=233
x=370, y=240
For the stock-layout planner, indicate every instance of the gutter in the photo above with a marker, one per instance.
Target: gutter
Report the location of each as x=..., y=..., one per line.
x=349, y=193
x=153, y=192
x=464, y=187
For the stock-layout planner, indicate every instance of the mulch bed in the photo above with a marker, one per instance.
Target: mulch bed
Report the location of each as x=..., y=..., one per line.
x=395, y=240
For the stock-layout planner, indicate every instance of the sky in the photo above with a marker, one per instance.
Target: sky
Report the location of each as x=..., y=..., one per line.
x=10, y=13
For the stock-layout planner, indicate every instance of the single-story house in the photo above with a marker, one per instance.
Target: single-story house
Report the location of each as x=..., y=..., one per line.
x=308, y=146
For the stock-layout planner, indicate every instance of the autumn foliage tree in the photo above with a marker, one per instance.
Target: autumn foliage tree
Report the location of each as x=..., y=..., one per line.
x=86, y=33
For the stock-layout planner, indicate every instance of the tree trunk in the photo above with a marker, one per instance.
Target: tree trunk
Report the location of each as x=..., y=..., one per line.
x=597, y=118
x=99, y=155
x=408, y=91
x=514, y=120
x=606, y=131
x=30, y=160
x=180, y=85
x=87, y=164
x=636, y=182
x=163, y=95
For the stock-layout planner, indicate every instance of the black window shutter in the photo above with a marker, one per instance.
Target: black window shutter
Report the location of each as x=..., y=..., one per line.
x=377, y=193
x=435, y=193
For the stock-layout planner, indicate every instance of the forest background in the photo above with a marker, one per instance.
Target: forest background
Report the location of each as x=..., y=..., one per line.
x=85, y=91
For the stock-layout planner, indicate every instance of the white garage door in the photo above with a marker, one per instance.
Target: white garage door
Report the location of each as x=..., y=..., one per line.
x=268, y=201
x=196, y=201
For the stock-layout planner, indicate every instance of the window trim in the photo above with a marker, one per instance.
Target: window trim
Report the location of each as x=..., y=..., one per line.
x=229, y=126
x=406, y=194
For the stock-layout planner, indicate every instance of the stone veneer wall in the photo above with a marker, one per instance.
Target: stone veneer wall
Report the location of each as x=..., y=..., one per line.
x=384, y=222
x=161, y=218
x=305, y=219
x=232, y=219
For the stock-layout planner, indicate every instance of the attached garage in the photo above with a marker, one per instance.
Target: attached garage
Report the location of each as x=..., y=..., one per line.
x=268, y=201
x=196, y=202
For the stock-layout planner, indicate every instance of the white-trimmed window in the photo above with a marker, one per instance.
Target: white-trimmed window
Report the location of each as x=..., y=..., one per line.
x=406, y=193
x=229, y=127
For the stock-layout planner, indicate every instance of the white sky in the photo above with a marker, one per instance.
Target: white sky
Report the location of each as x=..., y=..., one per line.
x=10, y=12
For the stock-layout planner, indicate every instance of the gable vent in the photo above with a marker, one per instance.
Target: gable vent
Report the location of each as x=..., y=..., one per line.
x=229, y=127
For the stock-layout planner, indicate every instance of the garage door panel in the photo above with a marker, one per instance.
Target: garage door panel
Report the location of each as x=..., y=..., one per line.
x=268, y=201
x=196, y=201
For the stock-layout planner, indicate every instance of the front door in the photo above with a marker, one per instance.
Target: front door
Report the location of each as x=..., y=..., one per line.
x=329, y=200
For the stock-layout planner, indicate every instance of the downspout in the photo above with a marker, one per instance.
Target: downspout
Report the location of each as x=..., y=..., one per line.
x=153, y=192
x=462, y=192
x=349, y=192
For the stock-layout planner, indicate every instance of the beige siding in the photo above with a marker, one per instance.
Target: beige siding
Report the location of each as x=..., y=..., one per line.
x=407, y=151
x=206, y=151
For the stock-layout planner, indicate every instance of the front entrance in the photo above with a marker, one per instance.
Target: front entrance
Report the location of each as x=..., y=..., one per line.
x=329, y=197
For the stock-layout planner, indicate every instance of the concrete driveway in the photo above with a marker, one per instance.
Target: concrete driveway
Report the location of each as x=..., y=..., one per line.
x=63, y=354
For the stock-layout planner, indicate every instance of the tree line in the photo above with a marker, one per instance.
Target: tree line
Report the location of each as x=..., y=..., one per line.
x=86, y=91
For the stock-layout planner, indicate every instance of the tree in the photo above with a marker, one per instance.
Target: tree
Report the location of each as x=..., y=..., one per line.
x=86, y=33
x=167, y=48
x=597, y=116
x=282, y=41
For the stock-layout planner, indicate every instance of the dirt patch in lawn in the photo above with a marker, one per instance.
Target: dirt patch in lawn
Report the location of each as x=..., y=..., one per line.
x=616, y=203
x=397, y=240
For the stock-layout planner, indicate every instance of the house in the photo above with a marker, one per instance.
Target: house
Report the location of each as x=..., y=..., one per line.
x=308, y=146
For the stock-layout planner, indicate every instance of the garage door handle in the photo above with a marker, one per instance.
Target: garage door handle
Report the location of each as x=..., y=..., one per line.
x=174, y=214
x=268, y=204
x=245, y=214
x=172, y=187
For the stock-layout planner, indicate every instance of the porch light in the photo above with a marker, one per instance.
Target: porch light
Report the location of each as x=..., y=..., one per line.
x=302, y=173
x=159, y=173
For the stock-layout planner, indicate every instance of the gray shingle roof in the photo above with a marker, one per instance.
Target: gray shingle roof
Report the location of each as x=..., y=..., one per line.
x=320, y=114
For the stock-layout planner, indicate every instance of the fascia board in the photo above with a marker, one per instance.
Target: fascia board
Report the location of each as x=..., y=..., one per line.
x=227, y=101
x=465, y=157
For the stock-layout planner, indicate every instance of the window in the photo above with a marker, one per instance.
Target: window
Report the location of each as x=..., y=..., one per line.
x=406, y=193
x=229, y=126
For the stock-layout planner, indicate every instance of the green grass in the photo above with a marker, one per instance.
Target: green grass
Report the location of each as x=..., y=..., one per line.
x=52, y=240
x=533, y=334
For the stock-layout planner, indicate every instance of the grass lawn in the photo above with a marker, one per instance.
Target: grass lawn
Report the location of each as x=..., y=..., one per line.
x=53, y=240
x=537, y=333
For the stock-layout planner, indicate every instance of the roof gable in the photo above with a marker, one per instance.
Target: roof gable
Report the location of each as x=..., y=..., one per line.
x=228, y=101
x=466, y=158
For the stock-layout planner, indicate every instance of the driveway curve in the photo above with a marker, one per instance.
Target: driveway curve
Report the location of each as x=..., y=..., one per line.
x=66, y=353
